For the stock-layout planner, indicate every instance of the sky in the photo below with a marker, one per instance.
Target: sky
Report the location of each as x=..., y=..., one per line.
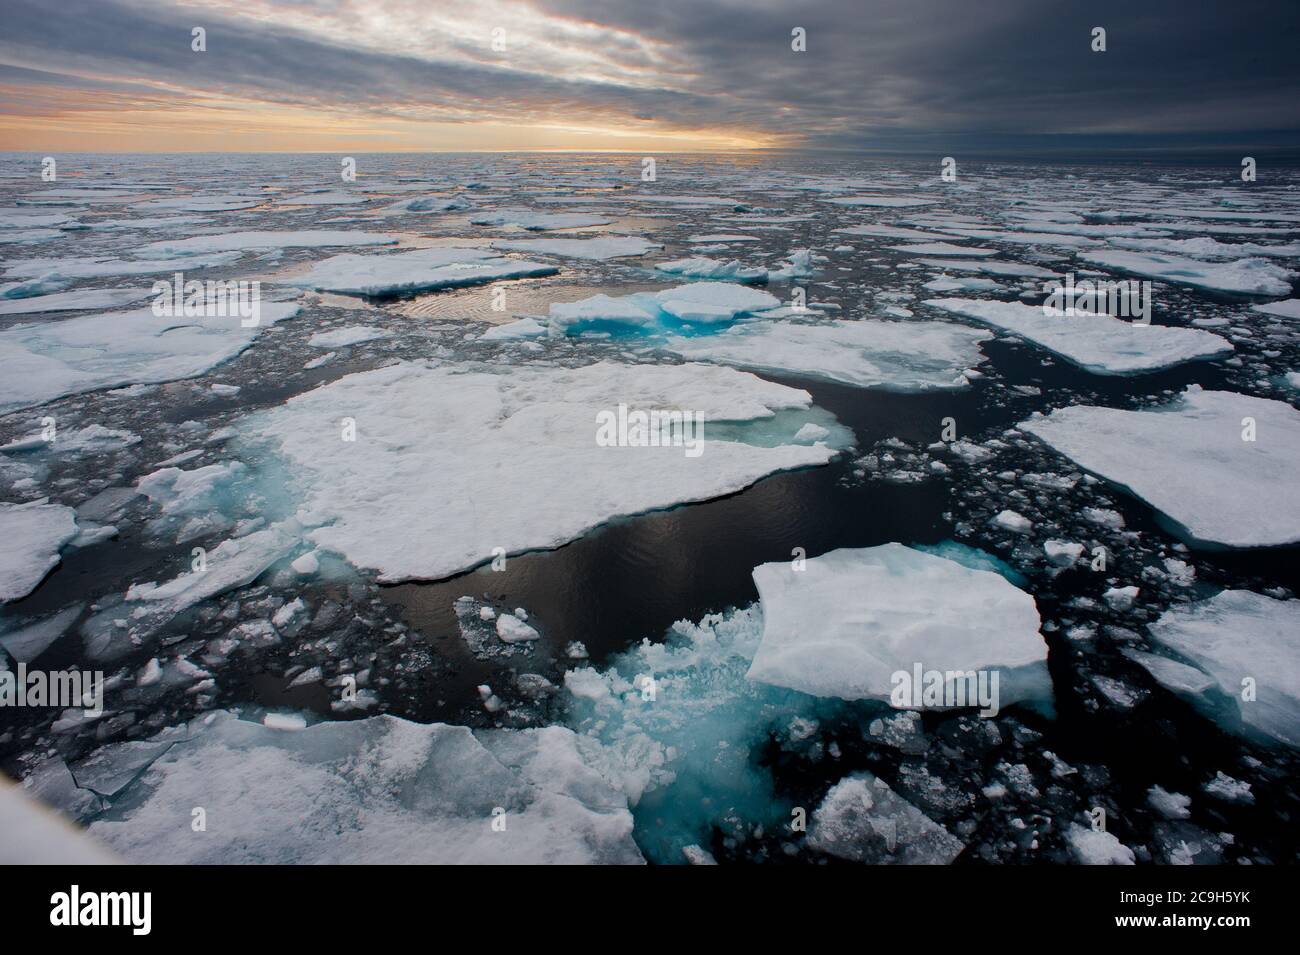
x=991, y=76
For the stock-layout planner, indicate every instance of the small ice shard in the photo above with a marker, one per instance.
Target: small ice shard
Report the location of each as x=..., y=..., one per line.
x=248, y=241
x=887, y=355
x=851, y=621
x=697, y=855
x=811, y=433
x=1190, y=462
x=1097, y=847
x=1062, y=553
x=1255, y=276
x=798, y=265
x=535, y=221
x=284, y=721
x=1099, y=343
x=597, y=249
x=1012, y=521
x=1170, y=805
x=399, y=273
x=348, y=335
x=862, y=820
x=92, y=439
x=306, y=565
x=31, y=536
x=1246, y=644
x=387, y=790
x=523, y=328
x=1224, y=787
x=513, y=630
x=545, y=421
x=1120, y=598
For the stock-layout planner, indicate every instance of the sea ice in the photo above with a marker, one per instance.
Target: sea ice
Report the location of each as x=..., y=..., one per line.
x=49, y=360
x=376, y=790
x=862, y=820
x=891, y=356
x=706, y=268
x=1254, y=276
x=348, y=335
x=1236, y=636
x=1188, y=460
x=397, y=273
x=597, y=249
x=71, y=301
x=852, y=619
x=537, y=221
x=558, y=481
x=247, y=241
x=31, y=536
x=1099, y=343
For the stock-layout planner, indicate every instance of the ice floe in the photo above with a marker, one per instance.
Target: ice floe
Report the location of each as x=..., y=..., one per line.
x=1099, y=343
x=849, y=621
x=348, y=335
x=412, y=421
x=891, y=356
x=862, y=820
x=72, y=301
x=1247, y=646
x=537, y=221
x=1193, y=462
x=398, y=273
x=597, y=249
x=1254, y=276
x=31, y=536
x=701, y=267
x=246, y=241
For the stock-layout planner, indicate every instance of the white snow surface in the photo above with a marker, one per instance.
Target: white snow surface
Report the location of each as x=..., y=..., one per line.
x=396, y=273
x=1252, y=276
x=31, y=536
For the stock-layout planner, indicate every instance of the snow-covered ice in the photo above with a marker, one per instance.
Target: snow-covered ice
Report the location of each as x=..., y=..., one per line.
x=31, y=536
x=597, y=249
x=862, y=820
x=398, y=273
x=1253, y=276
x=1189, y=461
x=1100, y=343
x=248, y=241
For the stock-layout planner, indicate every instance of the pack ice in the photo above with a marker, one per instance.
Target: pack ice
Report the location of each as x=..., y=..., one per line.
x=246, y=241
x=891, y=356
x=49, y=360
x=698, y=303
x=1233, y=636
x=398, y=273
x=376, y=790
x=852, y=618
x=1253, y=276
x=1189, y=460
x=862, y=820
x=1100, y=343
x=516, y=456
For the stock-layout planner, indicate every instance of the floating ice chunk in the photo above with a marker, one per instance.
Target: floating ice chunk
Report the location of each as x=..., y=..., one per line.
x=884, y=202
x=598, y=249
x=89, y=354
x=92, y=439
x=284, y=721
x=739, y=300
x=397, y=273
x=190, y=503
x=1189, y=462
x=413, y=421
x=853, y=618
x=430, y=204
x=348, y=335
x=892, y=232
x=891, y=356
x=1237, y=636
x=941, y=248
x=810, y=433
x=1062, y=553
x=1097, y=847
x=1253, y=276
x=1204, y=247
x=31, y=536
x=1290, y=308
x=247, y=241
x=386, y=790
x=202, y=203
x=513, y=630
x=862, y=820
x=1170, y=805
x=1224, y=787
x=523, y=328
x=535, y=221
x=51, y=272
x=1099, y=343
x=798, y=265
x=701, y=267
x=599, y=310
x=71, y=301
x=989, y=267
x=28, y=643
x=325, y=197
x=306, y=565
x=961, y=284
x=1012, y=521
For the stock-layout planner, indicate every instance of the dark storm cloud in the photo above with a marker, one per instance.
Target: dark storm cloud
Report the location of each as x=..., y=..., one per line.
x=925, y=73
